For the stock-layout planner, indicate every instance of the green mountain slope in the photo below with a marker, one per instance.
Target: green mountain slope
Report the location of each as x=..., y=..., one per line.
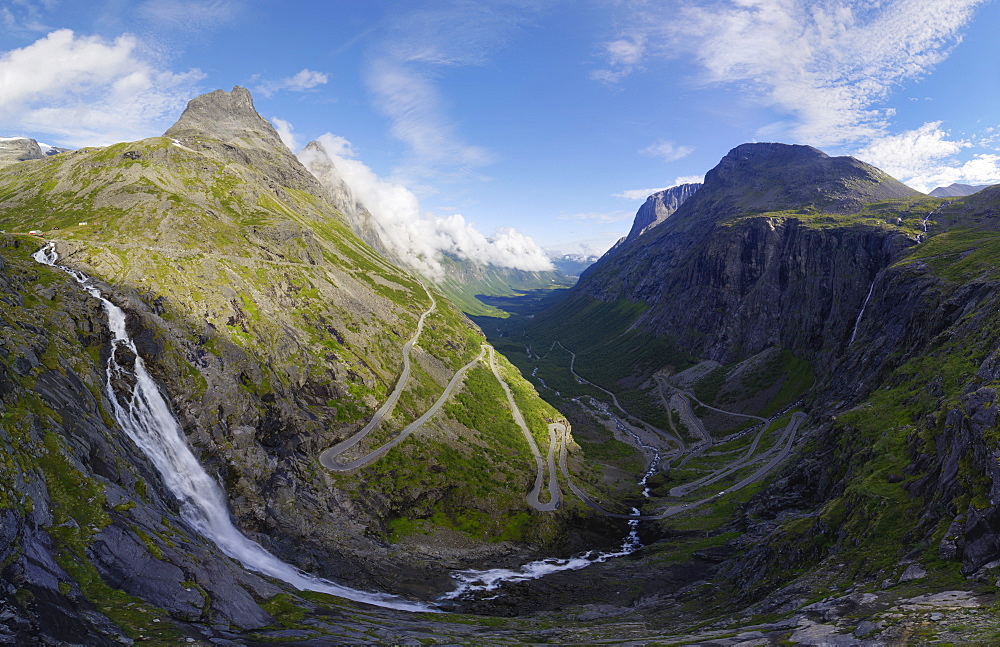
x=277, y=333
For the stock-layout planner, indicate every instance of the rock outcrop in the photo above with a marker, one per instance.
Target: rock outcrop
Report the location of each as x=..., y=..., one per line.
x=658, y=207
x=18, y=149
x=342, y=197
x=227, y=124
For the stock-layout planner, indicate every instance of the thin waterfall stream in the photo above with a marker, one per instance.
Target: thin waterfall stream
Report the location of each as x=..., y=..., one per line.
x=857, y=322
x=147, y=420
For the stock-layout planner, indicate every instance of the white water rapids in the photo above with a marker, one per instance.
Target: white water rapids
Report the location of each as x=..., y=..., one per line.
x=472, y=581
x=148, y=421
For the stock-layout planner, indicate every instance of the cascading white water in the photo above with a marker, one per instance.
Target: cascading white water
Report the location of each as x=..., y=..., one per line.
x=857, y=322
x=145, y=417
x=475, y=581
x=472, y=581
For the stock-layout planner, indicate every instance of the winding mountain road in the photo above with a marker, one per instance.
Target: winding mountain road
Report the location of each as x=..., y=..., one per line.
x=328, y=457
x=788, y=437
x=553, y=488
x=558, y=438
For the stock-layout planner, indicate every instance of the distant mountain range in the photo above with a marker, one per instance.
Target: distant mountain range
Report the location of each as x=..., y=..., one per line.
x=572, y=265
x=957, y=190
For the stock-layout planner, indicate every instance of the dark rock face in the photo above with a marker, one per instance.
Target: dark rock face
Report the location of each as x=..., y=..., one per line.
x=731, y=290
x=656, y=209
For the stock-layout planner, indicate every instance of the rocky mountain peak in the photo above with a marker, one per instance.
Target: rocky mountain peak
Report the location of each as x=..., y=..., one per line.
x=227, y=125
x=317, y=160
x=660, y=206
x=18, y=149
x=771, y=176
x=227, y=116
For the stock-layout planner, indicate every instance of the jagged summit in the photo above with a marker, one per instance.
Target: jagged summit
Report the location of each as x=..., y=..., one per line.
x=772, y=176
x=227, y=125
x=226, y=116
x=317, y=160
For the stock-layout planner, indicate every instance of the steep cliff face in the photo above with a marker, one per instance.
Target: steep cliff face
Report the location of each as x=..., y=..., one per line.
x=892, y=298
x=658, y=207
x=902, y=468
x=779, y=247
x=18, y=149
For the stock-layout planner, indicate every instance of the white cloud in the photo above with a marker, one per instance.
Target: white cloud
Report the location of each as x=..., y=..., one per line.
x=457, y=32
x=189, y=15
x=689, y=179
x=300, y=82
x=924, y=158
x=305, y=80
x=99, y=92
x=911, y=152
x=624, y=55
x=25, y=16
x=825, y=64
x=638, y=194
x=419, y=46
x=420, y=238
x=668, y=151
x=285, y=132
x=411, y=101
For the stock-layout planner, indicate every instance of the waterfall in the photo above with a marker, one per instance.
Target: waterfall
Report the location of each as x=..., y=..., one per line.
x=857, y=322
x=147, y=420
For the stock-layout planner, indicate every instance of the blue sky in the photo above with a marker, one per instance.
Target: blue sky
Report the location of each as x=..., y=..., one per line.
x=554, y=118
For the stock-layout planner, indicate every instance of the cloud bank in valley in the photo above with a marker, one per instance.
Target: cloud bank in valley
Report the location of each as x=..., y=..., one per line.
x=420, y=238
